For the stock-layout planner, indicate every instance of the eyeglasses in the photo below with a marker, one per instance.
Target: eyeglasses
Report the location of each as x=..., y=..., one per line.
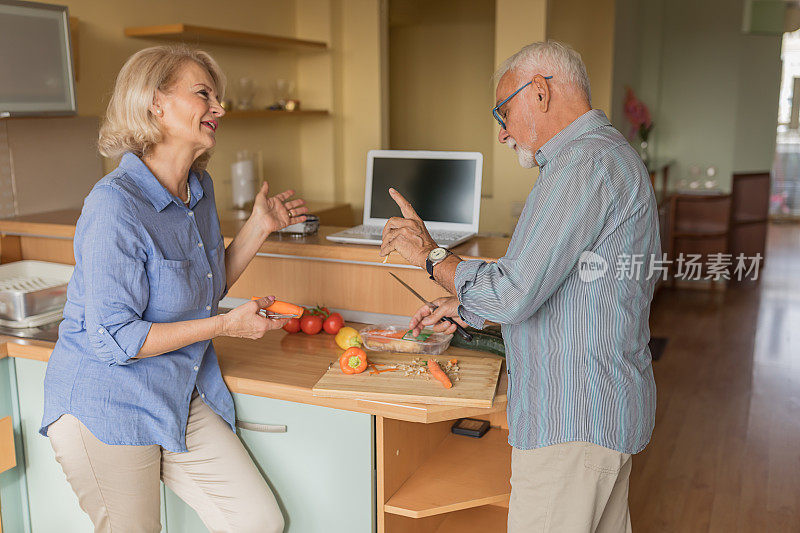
x=496, y=109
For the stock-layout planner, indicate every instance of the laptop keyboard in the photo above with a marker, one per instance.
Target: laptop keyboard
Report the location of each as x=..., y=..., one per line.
x=376, y=232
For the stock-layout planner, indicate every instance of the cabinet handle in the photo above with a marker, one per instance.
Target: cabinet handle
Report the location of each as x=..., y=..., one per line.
x=261, y=428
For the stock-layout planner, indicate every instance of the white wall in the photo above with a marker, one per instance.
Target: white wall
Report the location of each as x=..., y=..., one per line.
x=712, y=90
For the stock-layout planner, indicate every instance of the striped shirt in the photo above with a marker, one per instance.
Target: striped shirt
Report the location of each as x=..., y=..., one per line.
x=576, y=336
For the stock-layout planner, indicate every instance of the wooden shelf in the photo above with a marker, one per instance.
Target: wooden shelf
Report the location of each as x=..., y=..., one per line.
x=202, y=34
x=461, y=473
x=479, y=520
x=263, y=113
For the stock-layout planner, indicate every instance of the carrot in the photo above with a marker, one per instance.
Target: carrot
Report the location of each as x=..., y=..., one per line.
x=437, y=372
x=284, y=308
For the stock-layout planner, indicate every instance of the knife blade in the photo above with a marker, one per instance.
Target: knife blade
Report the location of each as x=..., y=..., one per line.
x=461, y=331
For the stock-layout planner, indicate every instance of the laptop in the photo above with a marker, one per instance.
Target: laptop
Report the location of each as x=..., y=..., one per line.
x=443, y=187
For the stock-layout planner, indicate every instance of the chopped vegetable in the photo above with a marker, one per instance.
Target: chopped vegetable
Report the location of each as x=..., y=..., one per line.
x=353, y=361
x=438, y=373
x=347, y=337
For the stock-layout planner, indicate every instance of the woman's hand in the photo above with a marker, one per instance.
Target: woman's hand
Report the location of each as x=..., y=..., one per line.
x=277, y=212
x=425, y=316
x=245, y=322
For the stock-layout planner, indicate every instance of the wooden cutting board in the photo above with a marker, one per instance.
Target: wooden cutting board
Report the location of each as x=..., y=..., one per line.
x=475, y=387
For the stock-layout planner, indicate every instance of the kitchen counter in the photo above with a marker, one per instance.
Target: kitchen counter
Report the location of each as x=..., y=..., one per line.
x=410, y=442
x=308, y=270
x=61, y=225
x=286, y=367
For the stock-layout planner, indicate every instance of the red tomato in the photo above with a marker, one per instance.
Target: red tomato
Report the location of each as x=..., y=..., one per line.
x=333, y=323
x=293, y=326
x=311, y=324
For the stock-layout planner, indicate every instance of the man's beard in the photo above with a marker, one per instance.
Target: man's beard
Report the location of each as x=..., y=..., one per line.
x=524, y=156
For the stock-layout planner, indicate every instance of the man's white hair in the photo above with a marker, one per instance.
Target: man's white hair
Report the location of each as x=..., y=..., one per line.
x=550, y=58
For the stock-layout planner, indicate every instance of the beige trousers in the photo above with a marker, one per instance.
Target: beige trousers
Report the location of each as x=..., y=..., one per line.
x=571, y=487
x=118, y=486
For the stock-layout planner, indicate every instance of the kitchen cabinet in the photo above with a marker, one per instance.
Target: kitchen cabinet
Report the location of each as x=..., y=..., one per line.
x=321, y=468
x=52, y=506
x=12, y=481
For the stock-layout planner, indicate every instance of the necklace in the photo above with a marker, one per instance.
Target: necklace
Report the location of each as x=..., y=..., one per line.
x=188, y=194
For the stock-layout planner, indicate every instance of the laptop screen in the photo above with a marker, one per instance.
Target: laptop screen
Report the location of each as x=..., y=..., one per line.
x=441, y=190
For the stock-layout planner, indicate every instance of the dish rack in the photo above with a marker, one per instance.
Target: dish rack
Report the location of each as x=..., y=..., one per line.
x=32, y=293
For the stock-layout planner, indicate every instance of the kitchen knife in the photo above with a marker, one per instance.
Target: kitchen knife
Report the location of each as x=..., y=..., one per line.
x=461, y=331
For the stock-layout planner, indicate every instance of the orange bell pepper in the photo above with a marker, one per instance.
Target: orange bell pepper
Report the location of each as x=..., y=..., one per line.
x=353, y=361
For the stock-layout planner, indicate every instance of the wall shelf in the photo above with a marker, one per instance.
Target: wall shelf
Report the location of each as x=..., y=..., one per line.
x=192, y=34
x=263, y=113
x=461, y=473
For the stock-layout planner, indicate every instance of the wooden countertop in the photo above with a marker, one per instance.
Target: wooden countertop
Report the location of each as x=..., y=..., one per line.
x=285, y=367
x=61, y=225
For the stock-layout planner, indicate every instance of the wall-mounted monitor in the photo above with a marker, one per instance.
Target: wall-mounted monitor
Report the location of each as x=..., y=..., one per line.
x=36, y=71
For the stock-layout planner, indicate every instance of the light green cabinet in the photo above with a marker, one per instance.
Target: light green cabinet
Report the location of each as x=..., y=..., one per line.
x=52, y=505
x=13, y=494
x=321, y=469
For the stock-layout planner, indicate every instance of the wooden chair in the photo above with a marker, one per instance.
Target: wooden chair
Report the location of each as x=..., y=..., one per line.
x=749, y=214
x=697, y=224
x=8, y=458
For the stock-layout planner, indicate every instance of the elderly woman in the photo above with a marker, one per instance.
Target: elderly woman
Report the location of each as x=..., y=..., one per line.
x=133, y=392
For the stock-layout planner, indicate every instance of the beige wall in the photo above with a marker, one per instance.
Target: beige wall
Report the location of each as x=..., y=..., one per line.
x=441, y=59
x=359, y=108
x=518, y=23
x=588, y=26
x=104, y=48
x=323, y=158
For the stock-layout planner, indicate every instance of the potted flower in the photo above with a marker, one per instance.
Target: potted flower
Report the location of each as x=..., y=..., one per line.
x=641, y=124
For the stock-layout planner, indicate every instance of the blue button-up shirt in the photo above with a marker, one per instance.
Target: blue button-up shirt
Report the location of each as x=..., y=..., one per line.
x=142, y=256
x=576, y=347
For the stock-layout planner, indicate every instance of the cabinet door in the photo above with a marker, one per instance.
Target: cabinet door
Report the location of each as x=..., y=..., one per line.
x=13, y=495
x=321, y=469
x=52, y=504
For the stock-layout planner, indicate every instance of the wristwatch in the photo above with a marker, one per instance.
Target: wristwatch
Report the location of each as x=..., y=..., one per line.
x=435, y=256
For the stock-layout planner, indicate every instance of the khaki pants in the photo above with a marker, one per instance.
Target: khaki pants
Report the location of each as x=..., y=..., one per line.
x=118, y=486
x=570, y=487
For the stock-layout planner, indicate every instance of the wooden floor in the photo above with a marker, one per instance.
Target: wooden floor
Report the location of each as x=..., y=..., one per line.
x=725, y=454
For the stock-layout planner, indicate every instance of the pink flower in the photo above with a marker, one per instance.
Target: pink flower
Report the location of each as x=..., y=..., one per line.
x=637, y=114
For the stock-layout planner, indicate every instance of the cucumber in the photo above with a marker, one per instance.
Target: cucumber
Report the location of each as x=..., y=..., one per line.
x=482, y=340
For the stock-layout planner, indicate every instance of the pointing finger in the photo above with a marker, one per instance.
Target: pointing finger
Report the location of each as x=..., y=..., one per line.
x=405, y=207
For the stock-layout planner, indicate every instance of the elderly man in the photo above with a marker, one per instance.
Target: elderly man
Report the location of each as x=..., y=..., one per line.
x=581, y=394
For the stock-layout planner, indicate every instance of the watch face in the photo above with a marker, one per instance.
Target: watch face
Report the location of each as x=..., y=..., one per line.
x=437, y=254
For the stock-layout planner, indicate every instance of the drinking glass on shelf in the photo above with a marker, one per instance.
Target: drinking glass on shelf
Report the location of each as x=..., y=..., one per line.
x=246, y=91
x=283, y=91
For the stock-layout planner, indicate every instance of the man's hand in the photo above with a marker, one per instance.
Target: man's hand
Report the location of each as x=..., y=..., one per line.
x=407, y=235
x=425, y=316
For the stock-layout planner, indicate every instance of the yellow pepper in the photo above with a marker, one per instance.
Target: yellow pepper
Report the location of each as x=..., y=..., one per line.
x=348, y=338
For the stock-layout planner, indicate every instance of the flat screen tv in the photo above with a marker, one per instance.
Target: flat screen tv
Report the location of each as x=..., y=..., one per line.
x=36, y=71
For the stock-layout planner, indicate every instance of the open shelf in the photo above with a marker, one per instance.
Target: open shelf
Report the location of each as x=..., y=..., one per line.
x=461, y=473
x=202, y=34
x=262, y=113
x=479, y=520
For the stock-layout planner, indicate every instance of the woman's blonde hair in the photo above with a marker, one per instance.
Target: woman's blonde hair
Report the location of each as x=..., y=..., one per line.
x=129, y=126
